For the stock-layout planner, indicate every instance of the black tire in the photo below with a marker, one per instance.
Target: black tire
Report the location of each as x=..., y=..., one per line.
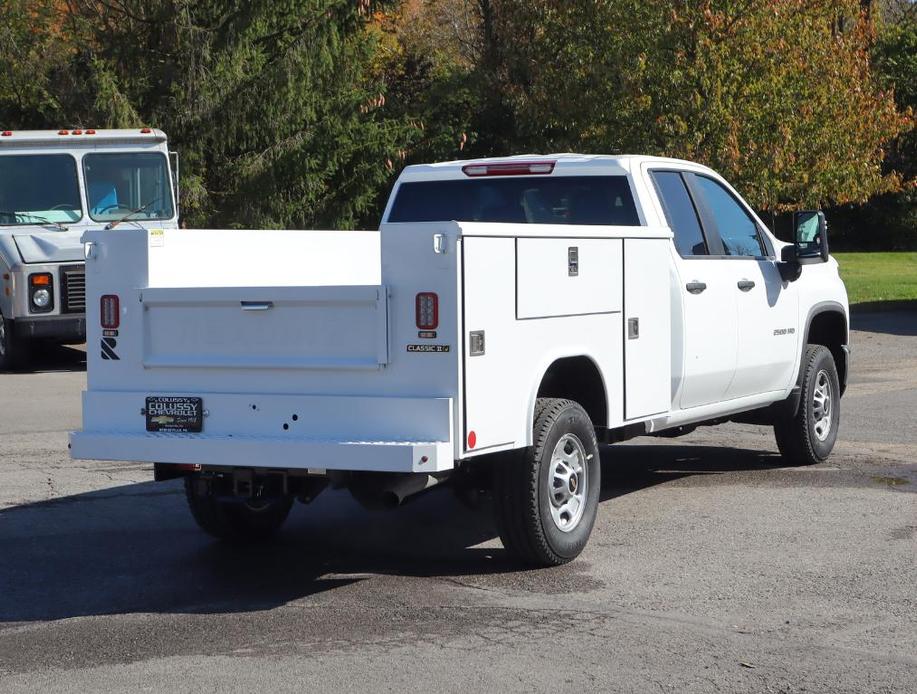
x=13, y=353
x=235, y=521
x=524, y=480
x=803, y=437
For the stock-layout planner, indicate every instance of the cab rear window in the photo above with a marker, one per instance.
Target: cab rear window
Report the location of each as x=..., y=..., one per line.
x=605, y=200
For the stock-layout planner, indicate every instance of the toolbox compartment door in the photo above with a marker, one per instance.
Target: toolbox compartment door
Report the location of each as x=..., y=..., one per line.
x=265, y=327
x=647, y=327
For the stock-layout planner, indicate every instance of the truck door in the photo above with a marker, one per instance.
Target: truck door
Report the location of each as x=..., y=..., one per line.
x=766, y=307
x=704, y=362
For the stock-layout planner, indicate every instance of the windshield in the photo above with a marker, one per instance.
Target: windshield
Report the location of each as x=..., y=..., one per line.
x=39, y=189
x=118, y=184
x=526, y=200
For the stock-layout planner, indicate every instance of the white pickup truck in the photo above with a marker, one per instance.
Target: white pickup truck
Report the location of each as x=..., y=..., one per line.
x=54, y=185
x=510, y=315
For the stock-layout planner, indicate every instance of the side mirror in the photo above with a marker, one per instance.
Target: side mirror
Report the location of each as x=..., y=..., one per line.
x=810, y=237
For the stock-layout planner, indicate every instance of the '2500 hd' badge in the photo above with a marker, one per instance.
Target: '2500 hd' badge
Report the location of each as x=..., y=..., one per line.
x=428, y=348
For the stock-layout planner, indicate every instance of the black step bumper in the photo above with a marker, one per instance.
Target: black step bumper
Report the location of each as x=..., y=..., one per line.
x=68, y=329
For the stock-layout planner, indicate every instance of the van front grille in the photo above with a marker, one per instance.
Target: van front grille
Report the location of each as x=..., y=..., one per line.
x=73, y=289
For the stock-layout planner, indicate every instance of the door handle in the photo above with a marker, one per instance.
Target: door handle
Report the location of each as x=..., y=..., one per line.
x=695, y=287
x=745, y=285
x=257, y=305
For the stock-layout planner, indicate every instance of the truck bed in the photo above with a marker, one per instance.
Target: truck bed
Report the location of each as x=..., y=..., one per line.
x=303, y=350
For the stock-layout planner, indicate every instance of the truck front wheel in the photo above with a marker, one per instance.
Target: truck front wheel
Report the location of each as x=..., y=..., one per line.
x=235, y=520
x=807, y=436
x=12, y=348
x=546, y=497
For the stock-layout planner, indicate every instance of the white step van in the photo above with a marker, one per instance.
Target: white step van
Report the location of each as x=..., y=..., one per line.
x=510, y=316
x=54, y=186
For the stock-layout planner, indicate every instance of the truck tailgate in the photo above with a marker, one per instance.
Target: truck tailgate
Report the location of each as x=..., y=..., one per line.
x=287, y=347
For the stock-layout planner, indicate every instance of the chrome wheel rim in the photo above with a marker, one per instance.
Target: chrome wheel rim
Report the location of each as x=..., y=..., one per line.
x=822, y=405
x=568, y=482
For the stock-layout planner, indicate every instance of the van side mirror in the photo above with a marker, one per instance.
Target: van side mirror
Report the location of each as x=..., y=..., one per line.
x=810, y=237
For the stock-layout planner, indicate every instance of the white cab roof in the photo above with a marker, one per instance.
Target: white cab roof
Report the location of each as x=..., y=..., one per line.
x=79, y=137
x=567, y=163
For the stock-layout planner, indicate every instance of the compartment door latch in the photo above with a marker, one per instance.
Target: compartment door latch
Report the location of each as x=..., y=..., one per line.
x=633, y=328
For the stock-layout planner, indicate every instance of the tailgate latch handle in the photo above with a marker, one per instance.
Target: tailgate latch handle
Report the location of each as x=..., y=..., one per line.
x=257, y=305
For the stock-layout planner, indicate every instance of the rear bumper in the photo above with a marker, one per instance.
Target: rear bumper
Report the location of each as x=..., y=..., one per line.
x=296, y=432
x=69, y=329
x=265, y=452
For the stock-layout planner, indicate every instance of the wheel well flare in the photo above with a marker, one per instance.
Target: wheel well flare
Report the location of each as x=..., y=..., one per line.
x=577, y=379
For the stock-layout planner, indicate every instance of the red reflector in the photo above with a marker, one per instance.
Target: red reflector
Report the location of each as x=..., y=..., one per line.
x=6, y=133
x=63, y=132
x=472, y=439
x=145, y=131
x=110, y=314
x=427, y=311
x=510, y=168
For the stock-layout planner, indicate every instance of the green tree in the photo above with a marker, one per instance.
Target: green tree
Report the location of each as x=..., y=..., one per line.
x=273, y=104
x=32, y=52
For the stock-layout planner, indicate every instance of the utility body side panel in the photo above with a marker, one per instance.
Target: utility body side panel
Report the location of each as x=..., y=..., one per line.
x=530, y=302
x=501, y=384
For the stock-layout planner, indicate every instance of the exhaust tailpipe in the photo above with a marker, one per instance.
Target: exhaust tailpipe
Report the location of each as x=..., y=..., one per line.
x=393, y=490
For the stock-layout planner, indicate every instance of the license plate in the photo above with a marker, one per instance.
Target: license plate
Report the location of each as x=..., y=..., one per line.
x=175, y=414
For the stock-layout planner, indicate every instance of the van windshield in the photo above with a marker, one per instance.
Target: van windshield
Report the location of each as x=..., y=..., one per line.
x=120, y=183
x=39, y=189
x=605, y=200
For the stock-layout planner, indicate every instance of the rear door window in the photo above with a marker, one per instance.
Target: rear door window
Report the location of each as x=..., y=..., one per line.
x=680, y=213
x=595, y=200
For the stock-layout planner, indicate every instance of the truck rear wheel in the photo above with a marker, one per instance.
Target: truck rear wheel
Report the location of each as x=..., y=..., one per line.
x=807, y=436
x=235, y=521
x=12, y=348
x=546, y=497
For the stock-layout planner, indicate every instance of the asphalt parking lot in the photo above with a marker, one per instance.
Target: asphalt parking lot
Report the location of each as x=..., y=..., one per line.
x=711, y=568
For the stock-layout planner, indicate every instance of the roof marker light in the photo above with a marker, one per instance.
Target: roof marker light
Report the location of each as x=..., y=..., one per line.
x=145, y=131
x=509, y=168
x=63, y=132
x=77, y=132
x=6, y=133
x=90, y=132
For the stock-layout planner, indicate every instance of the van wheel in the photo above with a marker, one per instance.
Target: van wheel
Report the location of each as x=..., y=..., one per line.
x=235, y=521
x=546, y=496
x=807, y=436
x=12, y=348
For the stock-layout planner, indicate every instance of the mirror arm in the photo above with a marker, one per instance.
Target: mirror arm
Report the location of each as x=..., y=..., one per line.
x=789, y=266
x=789, y=271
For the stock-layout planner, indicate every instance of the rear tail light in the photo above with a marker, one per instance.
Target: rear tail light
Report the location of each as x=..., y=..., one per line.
x=110, y=315
x=427, y=310
x=509, y=168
